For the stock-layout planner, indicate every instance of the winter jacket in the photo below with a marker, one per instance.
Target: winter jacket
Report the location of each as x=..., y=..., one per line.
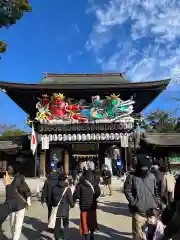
x=167, y=187
x=87, y=197
x=159, y=176
x=97, y=177
x=22, y=187
x=141, y=193
x=106, y=174
x=13, y=202
x=67, y=200
x=17, y=194
x=52, y=180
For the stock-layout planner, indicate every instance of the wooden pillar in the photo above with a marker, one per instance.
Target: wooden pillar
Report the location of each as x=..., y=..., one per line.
x=43, y=163
x=128, y=158
x=66, y=162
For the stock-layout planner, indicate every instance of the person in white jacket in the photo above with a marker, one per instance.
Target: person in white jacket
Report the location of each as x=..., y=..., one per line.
x=167, y=186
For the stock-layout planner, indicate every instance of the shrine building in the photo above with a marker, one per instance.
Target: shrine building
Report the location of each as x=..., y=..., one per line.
x=83, y=116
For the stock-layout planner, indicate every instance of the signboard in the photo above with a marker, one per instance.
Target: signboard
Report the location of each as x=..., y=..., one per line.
x=86, y=127
x=84, y=147
x=174, y=159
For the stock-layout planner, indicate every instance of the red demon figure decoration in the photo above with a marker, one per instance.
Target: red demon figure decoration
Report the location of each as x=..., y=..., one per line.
x=45, y=100
x=59, y=109
x=58, y=106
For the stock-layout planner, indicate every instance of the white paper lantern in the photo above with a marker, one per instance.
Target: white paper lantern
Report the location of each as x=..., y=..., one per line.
x=107, y=136
x=98, y=137
x=88, y=137
x=69, y=137
x=59, y=137
x=55, y=137
x=50, y=137
x=116, y=136
x=103, y=136
x=83, y=137
x=93, y=137
x=78, y=137
x=112, y=137
x=74, y=138
x=65, y=137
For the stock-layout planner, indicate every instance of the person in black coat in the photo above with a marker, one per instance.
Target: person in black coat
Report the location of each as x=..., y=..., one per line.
x=46, y=197
x=106, y=175
x=17, y=217
x=61, y=196
x=97, y=176
x=158, y=173
x=15, y=200
x=87, y=191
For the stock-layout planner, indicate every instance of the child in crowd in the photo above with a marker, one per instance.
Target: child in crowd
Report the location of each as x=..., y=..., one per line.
x=154, y=228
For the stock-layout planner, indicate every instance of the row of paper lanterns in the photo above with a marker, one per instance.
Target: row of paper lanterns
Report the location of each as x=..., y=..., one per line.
x=83, y=137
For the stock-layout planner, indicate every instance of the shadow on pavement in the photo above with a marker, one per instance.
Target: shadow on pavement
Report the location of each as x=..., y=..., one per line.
x=115, y=208
x=109, y=232
x=38, y=228
x=34, y=234
x=39, y=231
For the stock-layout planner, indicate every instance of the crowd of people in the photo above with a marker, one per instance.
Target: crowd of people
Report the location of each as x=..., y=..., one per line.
x=59, y=194
x=152, y=192
x=154, y=201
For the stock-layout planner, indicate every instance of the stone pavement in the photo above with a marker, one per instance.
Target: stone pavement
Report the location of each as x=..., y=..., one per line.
x=113, y=217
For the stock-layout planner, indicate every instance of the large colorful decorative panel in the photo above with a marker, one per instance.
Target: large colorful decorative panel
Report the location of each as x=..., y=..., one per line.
x=55, y=109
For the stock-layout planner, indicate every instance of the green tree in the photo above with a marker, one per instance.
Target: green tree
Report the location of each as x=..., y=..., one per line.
x=10, y=131
x=160, y=121
x=10, y=12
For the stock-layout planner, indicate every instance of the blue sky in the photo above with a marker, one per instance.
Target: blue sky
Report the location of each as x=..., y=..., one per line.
x=142, y=39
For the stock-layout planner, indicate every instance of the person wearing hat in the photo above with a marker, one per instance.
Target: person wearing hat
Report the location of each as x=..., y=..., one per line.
x=141, y=191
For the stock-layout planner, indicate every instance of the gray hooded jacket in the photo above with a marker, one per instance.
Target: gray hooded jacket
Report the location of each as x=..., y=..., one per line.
x=141, y=193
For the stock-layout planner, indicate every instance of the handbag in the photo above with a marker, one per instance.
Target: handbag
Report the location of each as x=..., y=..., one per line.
x=52, y=218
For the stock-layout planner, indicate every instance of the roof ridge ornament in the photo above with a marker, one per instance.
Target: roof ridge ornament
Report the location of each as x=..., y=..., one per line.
x=3, y=90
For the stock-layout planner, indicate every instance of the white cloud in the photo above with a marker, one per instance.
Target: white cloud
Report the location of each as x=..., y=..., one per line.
x=136, y=36
x=69, y=58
